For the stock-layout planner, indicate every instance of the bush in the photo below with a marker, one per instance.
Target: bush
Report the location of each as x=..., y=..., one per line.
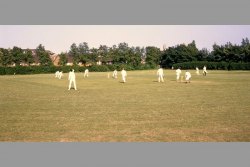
x=97, y=68
x=213, y=65
x=66, y=69
x=2, y=71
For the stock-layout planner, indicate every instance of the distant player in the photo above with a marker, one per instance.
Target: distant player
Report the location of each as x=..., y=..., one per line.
x=160, y=75
x=124, y=75
x=86, y=73
x=197, y=71
x=187, y=76
x=178, y=74
x=60, y=74
x=72, y=79
x=204, y=71
x=56, y=74
x=114, y=75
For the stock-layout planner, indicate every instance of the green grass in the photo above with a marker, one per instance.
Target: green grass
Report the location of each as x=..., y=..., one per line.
x=40, y=108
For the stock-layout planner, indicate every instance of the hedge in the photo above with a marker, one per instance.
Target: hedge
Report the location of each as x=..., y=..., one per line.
x=213, y=65
x=66, y=69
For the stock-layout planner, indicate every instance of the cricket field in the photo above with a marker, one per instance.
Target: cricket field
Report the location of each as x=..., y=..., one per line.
x=40, y=108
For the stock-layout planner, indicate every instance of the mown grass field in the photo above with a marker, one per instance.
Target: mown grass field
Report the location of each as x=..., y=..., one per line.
x=39, y=108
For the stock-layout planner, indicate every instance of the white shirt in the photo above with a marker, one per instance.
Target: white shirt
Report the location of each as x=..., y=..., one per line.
x=124, y=73
x=178, y=72
x=187, y=75
x=72, y=76
x=160, y=71
x=204, y=68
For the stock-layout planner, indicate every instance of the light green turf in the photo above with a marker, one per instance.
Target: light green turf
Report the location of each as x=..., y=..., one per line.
x=211, y=108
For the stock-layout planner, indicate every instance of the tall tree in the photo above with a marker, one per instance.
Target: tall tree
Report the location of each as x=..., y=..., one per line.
x=93, y=54
x=63, y=59
x=245, y=50
x=6, y=56
x=153, y=55
x=83, y=48
x=103, y=53
x=74, y=52
x=122, y=53
x=17, y=54
x=27, y=57
x=135, y=56
x=168, y=57
x=84, y=53
x=203, y=54
x=43, y=55
x=1, y=57
x=218, y=53
x=113, y=54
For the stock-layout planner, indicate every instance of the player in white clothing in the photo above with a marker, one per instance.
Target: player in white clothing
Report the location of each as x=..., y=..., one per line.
x=178, y=74
x=204, y=70
x=124, y=75
x=197, y=71
x=187, y=76
x=114, y=74
x=60, y=74
x=160, y=75
x=72, y=79
x=86, y=73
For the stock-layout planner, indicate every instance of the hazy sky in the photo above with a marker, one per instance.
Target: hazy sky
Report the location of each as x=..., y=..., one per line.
x=58, y=38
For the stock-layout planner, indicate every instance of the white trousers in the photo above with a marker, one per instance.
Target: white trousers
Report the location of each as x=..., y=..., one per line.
x=124, y=78
x=70, y=84
x=188, y=78
x=160, y=78
x=86, y=75
x=177, y=77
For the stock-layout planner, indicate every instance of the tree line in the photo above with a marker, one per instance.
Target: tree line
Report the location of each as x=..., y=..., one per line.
x=18, y=56
x=131, y=56
x=230, y=53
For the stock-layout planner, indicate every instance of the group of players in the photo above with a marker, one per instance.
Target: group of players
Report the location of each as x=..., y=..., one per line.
x=160, y=75
x=187, y=75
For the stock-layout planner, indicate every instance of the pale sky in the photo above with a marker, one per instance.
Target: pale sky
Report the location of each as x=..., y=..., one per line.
x=58, y=38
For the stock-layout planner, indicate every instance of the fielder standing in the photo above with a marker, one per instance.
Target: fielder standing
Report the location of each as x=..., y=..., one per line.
x=160, y=75
x=124, y=75
x=178, y=74
x=197, y=71
x=86, y=73
x=72, y=79
x=204, y=70
x=187, y=76
x=114, y=74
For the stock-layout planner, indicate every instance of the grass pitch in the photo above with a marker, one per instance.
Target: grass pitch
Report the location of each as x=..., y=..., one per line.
x=40, y=108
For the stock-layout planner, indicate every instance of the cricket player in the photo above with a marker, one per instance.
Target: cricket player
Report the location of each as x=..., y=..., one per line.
x=56, y=74
x=124, y=75
x=160, y=75
x=60, y=75
x=187, y=76
x=114, y=75
x=72, y=79
x=204, y=71
x=86, y=73
x=197, y=71
x=178, y=74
